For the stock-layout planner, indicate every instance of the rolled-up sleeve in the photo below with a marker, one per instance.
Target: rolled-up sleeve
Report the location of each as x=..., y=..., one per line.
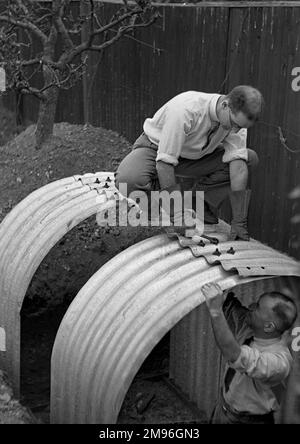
x=268, y=367
x=235, y=146
x=176, y=127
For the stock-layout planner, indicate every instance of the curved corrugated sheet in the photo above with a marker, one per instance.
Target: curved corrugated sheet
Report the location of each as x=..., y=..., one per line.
x=28, y=233
x=126, y=308
x=249, y=259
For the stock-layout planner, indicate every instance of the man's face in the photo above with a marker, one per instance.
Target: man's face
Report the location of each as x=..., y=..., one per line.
x=239, y=120
x=261, y=313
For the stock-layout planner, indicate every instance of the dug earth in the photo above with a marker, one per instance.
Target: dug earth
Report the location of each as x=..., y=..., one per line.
x=11, y=411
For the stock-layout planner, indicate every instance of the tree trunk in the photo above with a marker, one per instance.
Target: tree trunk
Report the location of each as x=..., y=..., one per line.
x=47, y=110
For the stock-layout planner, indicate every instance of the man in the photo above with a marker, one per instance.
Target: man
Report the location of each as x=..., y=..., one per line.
x=198, y=140
x=258, y=359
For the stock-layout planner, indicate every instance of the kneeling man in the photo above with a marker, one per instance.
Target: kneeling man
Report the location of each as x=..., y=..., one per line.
x=198, y=140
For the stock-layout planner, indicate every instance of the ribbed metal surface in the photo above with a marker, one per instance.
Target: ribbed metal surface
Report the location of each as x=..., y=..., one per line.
x=268, y=52
x=290, y=411
x=122, y=313
x=195, y=361
x=244, y=257
x=28, y=233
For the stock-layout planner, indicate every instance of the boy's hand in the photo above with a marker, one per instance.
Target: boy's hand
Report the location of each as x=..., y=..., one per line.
x=214, y=297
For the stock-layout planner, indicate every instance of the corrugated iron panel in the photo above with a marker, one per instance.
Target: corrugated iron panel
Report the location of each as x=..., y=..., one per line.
x=266, y=54
x=290, y=411
x=249, y=259
x=122, y=313
x=28, y=233
x=195, y=361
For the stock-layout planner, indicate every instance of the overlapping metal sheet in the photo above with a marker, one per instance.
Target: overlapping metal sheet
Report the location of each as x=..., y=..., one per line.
x=125, y=309
x=243, y=257
x=28, y=233
x=195, y=361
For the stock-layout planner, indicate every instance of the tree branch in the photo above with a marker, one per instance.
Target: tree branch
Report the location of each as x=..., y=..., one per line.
x=91, y=36
x=45, y=16
x=22, y=6
x=58, y=10
x=87, y=45
x=57, y=83
x=49, y=45
x=31, y=62
x=120, y=33
x=25, y=24
x=33, y=91
x=123, y=17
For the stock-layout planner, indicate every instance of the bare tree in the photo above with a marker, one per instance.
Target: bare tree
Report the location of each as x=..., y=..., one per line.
x=29, y=24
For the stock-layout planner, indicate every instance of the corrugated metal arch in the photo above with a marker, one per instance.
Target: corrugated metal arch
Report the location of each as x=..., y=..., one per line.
x=121, y=330
x=28, y=233
x=125, y=309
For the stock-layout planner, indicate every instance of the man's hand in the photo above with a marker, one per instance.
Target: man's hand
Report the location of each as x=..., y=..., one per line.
x=214, y=298
x=166, y=174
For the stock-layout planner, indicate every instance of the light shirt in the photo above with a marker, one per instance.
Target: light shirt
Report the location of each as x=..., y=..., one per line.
x=180, y=128
x=265, y=363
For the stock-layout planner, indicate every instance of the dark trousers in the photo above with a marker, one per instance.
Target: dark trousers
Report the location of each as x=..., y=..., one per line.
x=210, y=174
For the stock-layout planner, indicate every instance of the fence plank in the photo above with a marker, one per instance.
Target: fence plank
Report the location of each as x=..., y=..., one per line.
x=265, y=58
